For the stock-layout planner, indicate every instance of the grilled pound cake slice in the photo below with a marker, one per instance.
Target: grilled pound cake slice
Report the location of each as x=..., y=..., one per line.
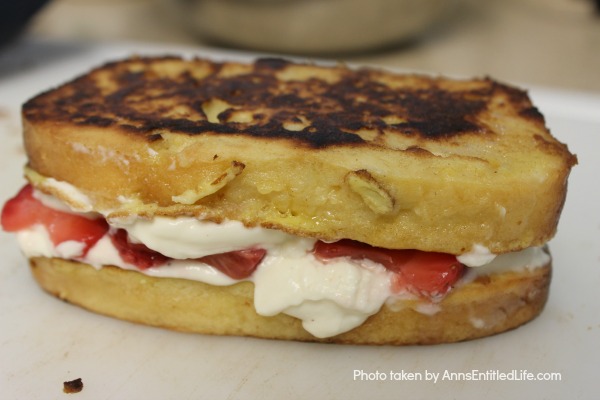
x=396, y=161
x=480, y=308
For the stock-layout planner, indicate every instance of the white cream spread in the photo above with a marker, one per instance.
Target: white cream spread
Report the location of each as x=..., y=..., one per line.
x=532, y=257
x=330, y=298
x=105, y=253
x=188, y=237
x=477, y=257
x=69, y=191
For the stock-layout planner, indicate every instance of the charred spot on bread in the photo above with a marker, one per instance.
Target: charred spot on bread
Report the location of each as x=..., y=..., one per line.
x=143, y=95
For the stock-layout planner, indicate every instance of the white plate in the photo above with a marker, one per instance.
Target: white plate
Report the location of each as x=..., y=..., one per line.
x=44, y=342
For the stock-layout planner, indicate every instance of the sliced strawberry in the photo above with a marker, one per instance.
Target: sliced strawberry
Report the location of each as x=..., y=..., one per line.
x=80, y=229
x=236, y=264
x=391, y=259
x=136, y=253
x=427, y=274
x=24, y=211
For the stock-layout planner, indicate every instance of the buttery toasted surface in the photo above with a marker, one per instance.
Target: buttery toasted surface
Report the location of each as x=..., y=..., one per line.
x=396, y=161
x=481, y=308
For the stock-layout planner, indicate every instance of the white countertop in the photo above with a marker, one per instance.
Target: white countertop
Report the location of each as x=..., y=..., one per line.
x=549, y=46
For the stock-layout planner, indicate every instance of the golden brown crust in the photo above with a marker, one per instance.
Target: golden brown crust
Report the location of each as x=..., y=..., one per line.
x=272, y=98
x=396, y=161
x=481, y=308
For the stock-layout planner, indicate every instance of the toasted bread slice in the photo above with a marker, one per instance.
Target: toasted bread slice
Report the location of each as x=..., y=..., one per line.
x=396, y=161
x=483, y=307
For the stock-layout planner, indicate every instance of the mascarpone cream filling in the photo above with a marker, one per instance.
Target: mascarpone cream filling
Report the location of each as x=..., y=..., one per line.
x=330, y=298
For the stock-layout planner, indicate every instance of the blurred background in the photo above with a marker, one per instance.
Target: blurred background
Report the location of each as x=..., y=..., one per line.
x=552, y=43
